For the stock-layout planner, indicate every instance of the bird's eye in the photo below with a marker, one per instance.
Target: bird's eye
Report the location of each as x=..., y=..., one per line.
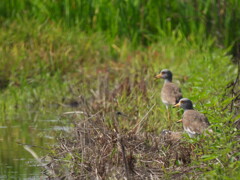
x=163, y=73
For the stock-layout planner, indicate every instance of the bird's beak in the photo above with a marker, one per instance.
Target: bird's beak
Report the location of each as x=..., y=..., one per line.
x=158, y=76
x=177, y=105
x=179, y=121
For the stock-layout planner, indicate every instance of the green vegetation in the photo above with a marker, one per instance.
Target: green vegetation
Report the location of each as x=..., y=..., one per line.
x=141, y=21
x=108, y=53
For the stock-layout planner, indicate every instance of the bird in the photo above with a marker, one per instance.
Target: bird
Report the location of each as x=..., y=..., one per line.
x=170, y=93
x=170, y=136
x=194, y=122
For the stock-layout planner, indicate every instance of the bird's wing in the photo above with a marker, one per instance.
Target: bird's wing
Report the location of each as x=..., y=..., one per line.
x=171, y=93
x=176, y=92
x=197, y=122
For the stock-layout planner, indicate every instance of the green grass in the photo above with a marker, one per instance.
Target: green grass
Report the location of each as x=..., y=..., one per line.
x=44, y=63
x=140, y=21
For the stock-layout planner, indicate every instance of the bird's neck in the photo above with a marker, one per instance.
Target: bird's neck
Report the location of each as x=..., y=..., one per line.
x=187, y=109
x=167, y=80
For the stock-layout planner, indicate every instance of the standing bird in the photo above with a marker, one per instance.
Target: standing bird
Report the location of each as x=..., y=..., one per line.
x=194, y=122
x=171, y=93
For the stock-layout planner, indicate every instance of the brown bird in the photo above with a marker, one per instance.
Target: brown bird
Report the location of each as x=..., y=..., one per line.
x=194, y=122
x=170, y=93
x=170, y=136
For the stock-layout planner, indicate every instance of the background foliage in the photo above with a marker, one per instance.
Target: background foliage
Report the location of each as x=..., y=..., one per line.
x=141, y=21
x=52, y=52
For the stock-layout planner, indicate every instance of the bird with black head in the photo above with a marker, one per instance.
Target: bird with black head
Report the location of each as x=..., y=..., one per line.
x=194, y=122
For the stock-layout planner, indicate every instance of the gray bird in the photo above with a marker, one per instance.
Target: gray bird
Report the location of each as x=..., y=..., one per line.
x=170, y=93
x=194, y=122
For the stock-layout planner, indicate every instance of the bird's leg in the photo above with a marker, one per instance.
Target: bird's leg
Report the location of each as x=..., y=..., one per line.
x=179, y=121
x=168, y=115
x=178, y=114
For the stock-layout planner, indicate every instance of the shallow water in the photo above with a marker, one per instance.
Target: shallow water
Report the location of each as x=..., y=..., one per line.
x=35, y=128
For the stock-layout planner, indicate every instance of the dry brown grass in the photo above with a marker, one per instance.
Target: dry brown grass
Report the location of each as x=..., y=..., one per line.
x=96, y=150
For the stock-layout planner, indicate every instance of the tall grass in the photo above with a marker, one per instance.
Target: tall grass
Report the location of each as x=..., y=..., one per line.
x=140, y=21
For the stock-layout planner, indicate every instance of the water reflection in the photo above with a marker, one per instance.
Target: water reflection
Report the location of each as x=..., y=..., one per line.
x=36, y=128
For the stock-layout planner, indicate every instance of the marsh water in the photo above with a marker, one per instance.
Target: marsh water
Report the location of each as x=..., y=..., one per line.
x=35, y=127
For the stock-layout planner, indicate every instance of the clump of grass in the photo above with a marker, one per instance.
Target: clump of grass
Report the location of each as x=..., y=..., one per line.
x=110, y=144
x=40, y=49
